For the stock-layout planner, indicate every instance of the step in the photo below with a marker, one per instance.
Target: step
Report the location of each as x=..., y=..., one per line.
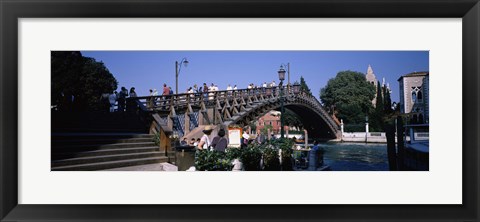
x=80, y=147
x=69, y=155
x=101, y=130
x=90, y=135
x=106, y=158
x=100, y=141
x=111, y=164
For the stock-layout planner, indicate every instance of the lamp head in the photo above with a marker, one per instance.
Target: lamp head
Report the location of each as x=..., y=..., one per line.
x=281, y=73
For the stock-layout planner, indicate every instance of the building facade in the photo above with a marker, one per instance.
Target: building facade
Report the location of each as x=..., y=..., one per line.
x=272, y=118
x=414, y=96
x=372, y=79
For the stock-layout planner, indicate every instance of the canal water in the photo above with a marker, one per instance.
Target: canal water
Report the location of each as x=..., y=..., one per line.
x=355, y=156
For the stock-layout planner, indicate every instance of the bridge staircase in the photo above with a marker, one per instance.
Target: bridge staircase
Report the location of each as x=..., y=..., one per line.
x=98, y=141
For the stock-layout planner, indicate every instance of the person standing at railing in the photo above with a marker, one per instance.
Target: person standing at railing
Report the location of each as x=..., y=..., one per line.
x=165, y=93
x=190, y=92
x=132, y=103
x=112, y=98
x=122, y=99
x=274, y=86
x=205, y=91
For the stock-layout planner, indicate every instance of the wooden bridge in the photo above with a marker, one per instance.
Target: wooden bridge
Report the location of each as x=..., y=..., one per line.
x=179, y=114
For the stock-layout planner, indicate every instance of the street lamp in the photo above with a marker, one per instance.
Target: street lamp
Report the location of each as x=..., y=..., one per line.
x=296, y=88
x=288, y=73
x=281, y=77
x=178, y=67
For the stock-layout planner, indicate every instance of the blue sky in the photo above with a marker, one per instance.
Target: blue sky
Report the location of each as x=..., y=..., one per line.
x=150, y=69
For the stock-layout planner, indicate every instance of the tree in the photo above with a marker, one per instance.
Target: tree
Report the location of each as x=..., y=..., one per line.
x=265, y=129
x=81, y=79
x=304, y=86
x=376, y=117
x=292, y=119
x=349, y=96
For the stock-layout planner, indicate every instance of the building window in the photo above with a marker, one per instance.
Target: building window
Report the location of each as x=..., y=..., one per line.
x=414, y=97
x=419, y=96
x=420, y=118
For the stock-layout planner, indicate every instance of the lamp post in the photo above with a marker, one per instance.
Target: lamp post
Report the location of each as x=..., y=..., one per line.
x=281, y=77
x=178, y=67
x=288, y=74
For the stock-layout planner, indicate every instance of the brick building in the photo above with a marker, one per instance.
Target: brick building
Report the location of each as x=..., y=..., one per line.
x=272, y=118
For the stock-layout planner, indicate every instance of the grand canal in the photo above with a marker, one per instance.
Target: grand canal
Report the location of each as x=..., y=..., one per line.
x=355, y=156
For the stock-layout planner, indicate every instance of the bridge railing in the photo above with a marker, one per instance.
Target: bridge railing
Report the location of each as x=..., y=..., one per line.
x=164, y=102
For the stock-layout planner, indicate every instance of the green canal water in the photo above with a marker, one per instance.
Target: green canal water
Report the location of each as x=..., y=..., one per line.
x=355, y=156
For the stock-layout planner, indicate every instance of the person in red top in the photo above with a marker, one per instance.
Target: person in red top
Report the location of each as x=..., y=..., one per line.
x=166, y=91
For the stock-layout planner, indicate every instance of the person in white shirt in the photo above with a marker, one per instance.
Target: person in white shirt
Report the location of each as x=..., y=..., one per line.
x=229, y=87
x=205, y=140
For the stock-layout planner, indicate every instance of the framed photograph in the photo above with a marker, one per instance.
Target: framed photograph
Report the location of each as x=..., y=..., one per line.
x=97, y=145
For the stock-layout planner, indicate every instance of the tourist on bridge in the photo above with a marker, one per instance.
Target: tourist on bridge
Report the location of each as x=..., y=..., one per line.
x=132, y=103
x=166, y=90
x=112, y=99
x=121, y=99
x=205, y=91
x=192, y=142
x=205, y=140
x=165, y=93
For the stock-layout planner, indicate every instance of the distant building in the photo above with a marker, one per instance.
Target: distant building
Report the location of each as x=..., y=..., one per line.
x=372, y=79
x=414, y=96
x=272, y=118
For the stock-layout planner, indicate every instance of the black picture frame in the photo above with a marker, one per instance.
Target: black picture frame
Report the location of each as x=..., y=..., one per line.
x=11, y=11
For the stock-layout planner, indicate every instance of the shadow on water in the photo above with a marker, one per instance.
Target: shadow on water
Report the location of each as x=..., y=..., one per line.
x=355, y=156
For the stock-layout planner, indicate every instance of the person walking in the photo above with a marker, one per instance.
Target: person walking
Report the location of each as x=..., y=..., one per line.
x=205, y=140
x=313, y=160
x=219, y=142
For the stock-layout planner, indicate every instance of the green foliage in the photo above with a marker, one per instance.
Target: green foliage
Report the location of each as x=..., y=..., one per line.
x=292, y=119
x=304, y=86
x=271, y=160
x=156, y=139
x=206, y=160
x=349, y=95
x=387, y=101
x=82, y=77
x=265, y=129
x=250, y=157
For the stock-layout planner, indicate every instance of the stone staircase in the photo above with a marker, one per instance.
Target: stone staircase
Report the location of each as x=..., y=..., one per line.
x=101, y=141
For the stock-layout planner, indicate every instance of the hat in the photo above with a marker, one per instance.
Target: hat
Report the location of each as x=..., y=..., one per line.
x=207, y=129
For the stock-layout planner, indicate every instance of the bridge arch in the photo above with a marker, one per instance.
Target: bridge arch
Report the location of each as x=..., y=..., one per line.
x=181, y=112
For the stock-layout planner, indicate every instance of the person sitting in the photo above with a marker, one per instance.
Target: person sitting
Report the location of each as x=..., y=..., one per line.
x=184, y=142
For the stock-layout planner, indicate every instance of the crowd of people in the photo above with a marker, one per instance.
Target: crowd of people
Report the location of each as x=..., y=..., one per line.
x=219, y=142
x=118, y=100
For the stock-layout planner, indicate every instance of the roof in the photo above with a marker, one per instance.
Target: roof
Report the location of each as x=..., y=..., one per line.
x=414, y=74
